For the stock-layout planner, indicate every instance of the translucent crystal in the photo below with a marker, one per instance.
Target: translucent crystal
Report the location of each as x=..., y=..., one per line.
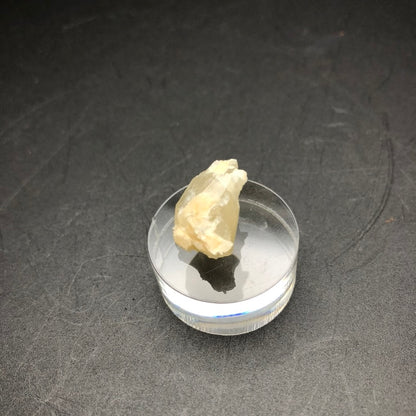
x=206, y=216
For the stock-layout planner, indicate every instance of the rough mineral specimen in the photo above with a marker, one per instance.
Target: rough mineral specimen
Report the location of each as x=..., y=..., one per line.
x=206, y=216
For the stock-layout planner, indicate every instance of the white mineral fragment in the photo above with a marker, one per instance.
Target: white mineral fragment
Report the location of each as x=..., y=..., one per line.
x=206, y=216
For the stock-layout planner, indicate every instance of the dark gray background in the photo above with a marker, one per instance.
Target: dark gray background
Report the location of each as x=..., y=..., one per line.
x=107, y=108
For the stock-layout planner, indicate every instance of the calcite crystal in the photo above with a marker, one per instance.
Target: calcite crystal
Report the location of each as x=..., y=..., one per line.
x=206, y=215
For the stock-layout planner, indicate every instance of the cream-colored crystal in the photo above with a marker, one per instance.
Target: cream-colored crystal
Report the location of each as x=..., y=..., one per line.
x=206, y=216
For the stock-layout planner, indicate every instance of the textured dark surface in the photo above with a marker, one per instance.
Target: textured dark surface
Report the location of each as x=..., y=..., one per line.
x=106, y=109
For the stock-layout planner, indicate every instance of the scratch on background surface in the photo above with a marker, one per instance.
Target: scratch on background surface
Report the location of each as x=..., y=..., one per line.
x=312, y=395
x=104, y=256
x=29, y=112
x=379, y=209
x=35, y=338
x=349, y=394
x=408, y=177
x=340, y=110
x=63, y=375
x=78, y=22
x=43, y=163
x=29, y=178
x=335, y=124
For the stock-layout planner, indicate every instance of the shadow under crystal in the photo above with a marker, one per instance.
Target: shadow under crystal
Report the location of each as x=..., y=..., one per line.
x=219, y=273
